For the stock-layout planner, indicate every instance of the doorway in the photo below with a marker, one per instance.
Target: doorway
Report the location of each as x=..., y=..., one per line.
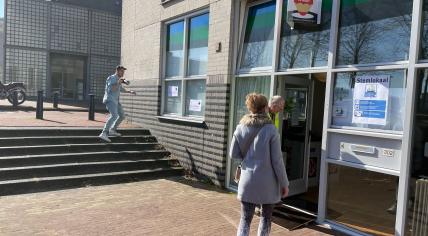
x=68, y=77
x=301, y=135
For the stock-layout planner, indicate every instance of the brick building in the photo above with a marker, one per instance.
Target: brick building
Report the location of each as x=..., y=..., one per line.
x=353, y=73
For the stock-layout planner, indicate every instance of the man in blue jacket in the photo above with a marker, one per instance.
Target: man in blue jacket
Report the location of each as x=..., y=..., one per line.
x=111, y=99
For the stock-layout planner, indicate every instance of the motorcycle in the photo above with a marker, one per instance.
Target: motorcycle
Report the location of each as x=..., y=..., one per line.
x=7, y=91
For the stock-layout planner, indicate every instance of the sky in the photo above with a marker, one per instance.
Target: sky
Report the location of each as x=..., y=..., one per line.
x=1, y=8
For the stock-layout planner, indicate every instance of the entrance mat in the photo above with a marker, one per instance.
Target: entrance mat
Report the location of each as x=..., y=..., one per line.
x=291, y=219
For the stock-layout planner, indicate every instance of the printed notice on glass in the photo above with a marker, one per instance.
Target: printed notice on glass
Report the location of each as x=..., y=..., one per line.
x=172, y=91
x=370, y=103
x=195, y=105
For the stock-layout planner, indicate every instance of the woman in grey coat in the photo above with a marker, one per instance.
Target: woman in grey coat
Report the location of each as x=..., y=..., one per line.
x=263, y=180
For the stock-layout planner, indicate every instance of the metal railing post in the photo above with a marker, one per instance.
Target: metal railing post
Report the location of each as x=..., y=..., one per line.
x=39, y=109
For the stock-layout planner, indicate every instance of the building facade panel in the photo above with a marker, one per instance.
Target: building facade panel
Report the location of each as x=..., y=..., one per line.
x=27, y=23
x=28, y=66
x=200, y=146
x=105, y=33
x=51, y=45
x=69, y=29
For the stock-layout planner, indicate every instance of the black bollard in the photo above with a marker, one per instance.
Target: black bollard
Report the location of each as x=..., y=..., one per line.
x=39, y=109
x=55, y=100
x=91, y=115
x=15, y=98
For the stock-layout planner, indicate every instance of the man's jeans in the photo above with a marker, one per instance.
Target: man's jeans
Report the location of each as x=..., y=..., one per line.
x=116, y=116
x=247, y=213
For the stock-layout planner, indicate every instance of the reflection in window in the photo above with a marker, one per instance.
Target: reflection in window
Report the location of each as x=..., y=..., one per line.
x=305, y=46
x=424, y=36
x=174, y=49
x=370, y=104
x=374, y=31
x=244, y=86
x=258, y=41
x=362, y=199
x=417, y=215
x=195, y=97
x=198, y=45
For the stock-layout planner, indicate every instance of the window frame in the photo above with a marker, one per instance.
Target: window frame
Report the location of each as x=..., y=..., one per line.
x=253, y=70
x=185, y=76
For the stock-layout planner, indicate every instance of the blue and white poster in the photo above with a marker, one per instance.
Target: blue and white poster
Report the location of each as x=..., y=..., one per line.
x=370, y=103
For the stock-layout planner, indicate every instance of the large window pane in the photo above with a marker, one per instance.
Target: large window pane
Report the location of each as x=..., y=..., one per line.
x=258, y=41
x=424, y=36
x=362, y=199
x=173, y=97
x=195, y=97
x=418, y=187
x=198, y=45
x=174, y=49
x=374, y=31
x=244, y=86
x=305, y=46
x=373, y=99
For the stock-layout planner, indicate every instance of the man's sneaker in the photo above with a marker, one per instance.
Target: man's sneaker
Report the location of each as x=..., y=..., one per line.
x=114, y=133
x=104, y=137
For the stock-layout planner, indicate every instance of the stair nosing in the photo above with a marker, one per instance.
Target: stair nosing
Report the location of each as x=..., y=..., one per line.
x=81, y=153
x=77, y=144
x=69, y=177
x=72, y=164
x=71, y=136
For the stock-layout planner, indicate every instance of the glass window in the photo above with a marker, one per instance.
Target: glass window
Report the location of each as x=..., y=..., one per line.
x=418, y=187
x=362, y=199
x=198, y=45
x=185, y=96
x=195, y=97
x=424, y=36
x=173, y=97
x=374, y=31
x=244, y=86
x=258, y=41
x=174, y=49
x=305, y=46
x=372, y=99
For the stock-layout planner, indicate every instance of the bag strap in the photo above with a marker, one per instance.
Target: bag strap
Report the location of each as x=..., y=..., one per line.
x=252, y=140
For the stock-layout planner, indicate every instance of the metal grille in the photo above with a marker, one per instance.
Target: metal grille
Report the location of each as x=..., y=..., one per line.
x=420, y=210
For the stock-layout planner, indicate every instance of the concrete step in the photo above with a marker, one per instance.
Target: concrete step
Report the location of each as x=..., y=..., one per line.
x=63, y=182
x=43, y=132
x=55, y=140
x=61, y=158
x=77, y=148
x=69, y=169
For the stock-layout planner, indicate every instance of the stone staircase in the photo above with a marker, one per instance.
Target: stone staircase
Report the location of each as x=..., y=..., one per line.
x=40, y=159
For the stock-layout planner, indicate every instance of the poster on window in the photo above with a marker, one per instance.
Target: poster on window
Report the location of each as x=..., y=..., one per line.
x=371, y=94
x=172, y=91
x=304, y=12
x=195, y=105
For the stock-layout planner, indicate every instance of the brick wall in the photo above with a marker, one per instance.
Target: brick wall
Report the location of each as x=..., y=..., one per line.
x=199, y=147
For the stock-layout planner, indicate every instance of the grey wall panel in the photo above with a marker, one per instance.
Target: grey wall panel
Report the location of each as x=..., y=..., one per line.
x=69, y=28
x=106, y=34
x=201, y=149
x=27, y=23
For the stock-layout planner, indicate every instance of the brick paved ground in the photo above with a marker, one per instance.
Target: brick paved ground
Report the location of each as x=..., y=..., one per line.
x=159, y=207
x=69, y=116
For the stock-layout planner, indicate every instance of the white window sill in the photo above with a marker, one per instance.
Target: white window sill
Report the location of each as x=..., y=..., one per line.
x=184, y=119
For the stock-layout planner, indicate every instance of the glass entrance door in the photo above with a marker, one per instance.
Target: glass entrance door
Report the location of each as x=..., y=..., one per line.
x=295, y=130
x=67, y=76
